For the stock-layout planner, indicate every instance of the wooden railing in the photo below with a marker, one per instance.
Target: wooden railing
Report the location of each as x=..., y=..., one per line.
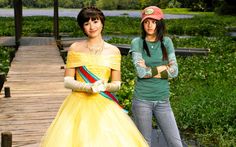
x=124, y=49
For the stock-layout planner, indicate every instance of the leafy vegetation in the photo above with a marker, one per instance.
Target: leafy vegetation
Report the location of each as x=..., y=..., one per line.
x=203, y=94
x=210, y=25
x=5, y=59
x=7, y=26
x=183, y=11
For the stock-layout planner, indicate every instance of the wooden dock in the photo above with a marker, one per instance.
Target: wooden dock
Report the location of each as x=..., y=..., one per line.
x=36, y=87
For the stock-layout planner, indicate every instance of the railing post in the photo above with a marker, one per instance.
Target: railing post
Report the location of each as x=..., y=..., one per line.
x=55, y=21
x=7, y=92
x=6, y=139
x=2, y=80
x=18, y=20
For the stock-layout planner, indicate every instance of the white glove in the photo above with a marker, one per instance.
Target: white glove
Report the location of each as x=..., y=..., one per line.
x=71, y=83
x=113, y=86
x=98, y=86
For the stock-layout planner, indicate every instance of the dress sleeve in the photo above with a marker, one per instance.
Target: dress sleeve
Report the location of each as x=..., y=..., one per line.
x=114, y=62
x=73, y=59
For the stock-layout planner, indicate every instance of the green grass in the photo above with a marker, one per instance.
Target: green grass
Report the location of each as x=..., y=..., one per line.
x=200, y=25
x=184, y=11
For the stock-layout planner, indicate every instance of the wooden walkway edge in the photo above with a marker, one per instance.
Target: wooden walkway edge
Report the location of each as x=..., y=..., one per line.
x=124, y=48
x=36, y=86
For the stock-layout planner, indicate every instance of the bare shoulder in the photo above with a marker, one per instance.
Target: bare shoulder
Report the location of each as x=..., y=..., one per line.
x=111, y=49
x=77, y=46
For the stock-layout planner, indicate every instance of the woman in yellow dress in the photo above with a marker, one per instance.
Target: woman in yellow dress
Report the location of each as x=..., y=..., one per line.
x=91, y=116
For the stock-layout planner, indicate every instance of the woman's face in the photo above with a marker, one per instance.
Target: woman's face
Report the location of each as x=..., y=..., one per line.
x=150, y=26
x=93, y=28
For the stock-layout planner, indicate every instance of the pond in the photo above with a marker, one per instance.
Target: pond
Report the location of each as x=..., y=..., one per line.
x=74, y=13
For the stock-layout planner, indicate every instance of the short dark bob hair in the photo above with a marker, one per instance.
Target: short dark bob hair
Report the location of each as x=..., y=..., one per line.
x=88, y=13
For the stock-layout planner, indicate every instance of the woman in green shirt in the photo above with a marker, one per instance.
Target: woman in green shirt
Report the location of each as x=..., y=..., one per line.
x=154, y=58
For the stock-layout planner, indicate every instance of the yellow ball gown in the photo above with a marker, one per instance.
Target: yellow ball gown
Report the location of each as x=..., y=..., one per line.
x=91, y=120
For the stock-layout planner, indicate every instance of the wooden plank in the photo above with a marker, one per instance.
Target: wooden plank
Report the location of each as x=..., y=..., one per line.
x=7, y=41
x=37, y=90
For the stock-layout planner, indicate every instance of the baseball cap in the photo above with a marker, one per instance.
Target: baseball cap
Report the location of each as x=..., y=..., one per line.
x=152, y=12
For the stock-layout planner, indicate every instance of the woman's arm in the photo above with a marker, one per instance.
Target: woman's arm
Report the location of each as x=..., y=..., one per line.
x=170, y=70
x=141, y=69
x=115, y=83
x=164, y=71
x=172, y=66
x=71, y=83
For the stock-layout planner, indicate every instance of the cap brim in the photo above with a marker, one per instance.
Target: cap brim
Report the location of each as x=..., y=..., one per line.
x=156, y=18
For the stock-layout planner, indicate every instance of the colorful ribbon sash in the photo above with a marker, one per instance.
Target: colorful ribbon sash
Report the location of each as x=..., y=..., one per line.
x=89, y=77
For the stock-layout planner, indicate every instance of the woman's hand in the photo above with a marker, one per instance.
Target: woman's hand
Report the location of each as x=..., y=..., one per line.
x=160, y=69
x=98, y=86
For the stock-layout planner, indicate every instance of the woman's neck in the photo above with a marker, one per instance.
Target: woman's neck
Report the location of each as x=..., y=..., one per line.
x=95, y=41
x=151, y=38
x=95, y=45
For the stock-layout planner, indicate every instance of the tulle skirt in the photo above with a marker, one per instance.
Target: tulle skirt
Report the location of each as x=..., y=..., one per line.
x=90, y=120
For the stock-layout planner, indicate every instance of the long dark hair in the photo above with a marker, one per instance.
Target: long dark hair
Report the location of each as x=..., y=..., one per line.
x=160, y=32
x=88, y=13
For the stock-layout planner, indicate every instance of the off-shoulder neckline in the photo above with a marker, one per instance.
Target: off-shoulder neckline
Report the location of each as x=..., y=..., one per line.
x=84, y=53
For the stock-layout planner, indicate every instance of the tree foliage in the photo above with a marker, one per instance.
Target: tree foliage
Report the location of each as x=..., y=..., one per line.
x=221, y=6
x=3, y=3
x=107, y=4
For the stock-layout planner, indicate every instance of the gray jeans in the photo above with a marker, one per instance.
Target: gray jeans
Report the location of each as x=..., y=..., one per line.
x=143, y=111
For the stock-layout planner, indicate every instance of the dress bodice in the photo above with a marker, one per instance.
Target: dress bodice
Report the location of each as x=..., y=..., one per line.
x=100, y=65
